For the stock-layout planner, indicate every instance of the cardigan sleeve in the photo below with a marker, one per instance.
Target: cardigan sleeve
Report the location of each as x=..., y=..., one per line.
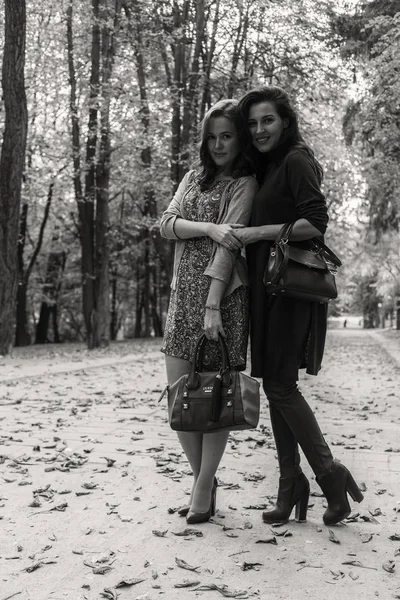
x=304, y=185
x=239, y=211
x=174, y=210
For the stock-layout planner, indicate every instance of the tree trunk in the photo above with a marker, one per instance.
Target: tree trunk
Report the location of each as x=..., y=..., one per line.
x=206, y=97
x=114, y=324
x=12, y=162
x=93, y=207
x=22, y=337
x=102, y=255
x=189, y=120
x=51, y=290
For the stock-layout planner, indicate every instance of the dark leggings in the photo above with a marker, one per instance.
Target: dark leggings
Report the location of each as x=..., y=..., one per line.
x=293, y=422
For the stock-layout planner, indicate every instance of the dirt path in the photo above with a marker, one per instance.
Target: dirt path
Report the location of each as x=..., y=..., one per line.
x=90, y=475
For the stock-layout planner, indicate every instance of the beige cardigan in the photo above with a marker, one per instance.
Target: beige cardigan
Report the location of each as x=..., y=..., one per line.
x=224, y=264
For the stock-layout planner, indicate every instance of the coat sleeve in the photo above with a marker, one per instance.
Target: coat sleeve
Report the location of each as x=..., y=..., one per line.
x=239, y=211
x=174, y=210
x=304, y=185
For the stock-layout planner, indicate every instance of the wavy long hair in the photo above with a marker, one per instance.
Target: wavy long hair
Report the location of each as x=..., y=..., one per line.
x=291, y=136
x=207, y=168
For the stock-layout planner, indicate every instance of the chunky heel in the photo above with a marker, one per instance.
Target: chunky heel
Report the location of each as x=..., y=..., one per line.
x=336, y=485
x=353, y=489
x=292, y=492
x=300, y=514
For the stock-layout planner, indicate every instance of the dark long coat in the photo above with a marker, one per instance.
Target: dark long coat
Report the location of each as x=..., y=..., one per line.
x=286, y=334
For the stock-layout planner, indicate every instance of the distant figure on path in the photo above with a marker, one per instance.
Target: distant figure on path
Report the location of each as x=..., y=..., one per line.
x=209, y=286
x=287, y=333
x=345, y=323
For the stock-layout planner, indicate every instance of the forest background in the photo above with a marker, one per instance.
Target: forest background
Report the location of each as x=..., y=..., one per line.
x=98, y=120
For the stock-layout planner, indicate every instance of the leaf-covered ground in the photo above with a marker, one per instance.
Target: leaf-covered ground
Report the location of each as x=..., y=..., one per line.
x=91, y=476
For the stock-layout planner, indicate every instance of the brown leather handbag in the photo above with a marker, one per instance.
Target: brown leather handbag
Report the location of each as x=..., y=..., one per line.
x=306, y=274
x=213, y=401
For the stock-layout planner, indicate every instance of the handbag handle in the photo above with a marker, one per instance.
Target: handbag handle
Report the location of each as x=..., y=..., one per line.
x=283, y=238
x=193, y=380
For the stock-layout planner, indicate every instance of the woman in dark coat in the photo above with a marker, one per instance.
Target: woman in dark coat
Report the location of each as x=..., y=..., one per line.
x=286, y=333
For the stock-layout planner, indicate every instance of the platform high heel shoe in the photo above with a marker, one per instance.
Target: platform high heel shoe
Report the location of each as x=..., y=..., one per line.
x=203, y=517
x=336, y=485
x=292, y=492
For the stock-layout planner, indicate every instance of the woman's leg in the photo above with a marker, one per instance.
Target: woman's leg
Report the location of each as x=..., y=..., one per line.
x=191, y=442
x=287, y=399
x=214, y=445
x=286, y=444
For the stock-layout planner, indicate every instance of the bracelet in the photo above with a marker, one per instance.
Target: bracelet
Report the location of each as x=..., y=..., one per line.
x=212, y=307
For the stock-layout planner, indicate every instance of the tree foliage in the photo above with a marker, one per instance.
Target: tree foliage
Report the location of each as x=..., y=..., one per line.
x=116, y=90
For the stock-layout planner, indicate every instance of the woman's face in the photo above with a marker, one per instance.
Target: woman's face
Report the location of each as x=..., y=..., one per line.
x=222, y=143
x=266, y=126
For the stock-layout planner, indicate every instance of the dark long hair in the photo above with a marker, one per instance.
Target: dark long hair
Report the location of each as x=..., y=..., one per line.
x=208, y=169
x=291, y=136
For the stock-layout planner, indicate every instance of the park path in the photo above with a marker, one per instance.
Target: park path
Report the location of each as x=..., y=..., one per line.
x=90, y=476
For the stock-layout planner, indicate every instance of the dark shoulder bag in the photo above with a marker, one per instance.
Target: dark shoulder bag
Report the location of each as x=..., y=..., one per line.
x=306, y=274
x=213, y=401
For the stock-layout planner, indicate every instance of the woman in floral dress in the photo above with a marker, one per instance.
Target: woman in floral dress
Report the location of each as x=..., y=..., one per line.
x=209, y=286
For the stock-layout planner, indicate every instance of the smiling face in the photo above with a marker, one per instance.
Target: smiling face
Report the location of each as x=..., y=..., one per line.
x=222, y=143
x=266, y=126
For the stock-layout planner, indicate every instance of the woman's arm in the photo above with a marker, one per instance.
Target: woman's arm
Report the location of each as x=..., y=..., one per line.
x=212, y=318
x=222, y=234
x=173, y=226
x=302, y=230
x=239, y=211
x=311, y=212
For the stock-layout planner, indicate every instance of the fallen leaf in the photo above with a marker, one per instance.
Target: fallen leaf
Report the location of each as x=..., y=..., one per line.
x=184, y=565
x=357, y=563
x=90, y=485
x=389, y=566
x=247, y=566
x=159, y=533
x=129, y=582
x=188, y=531
x=35, y=503
x=39, y=564
x=395, y=537
x=337, y=574
x=186, y=583
x=366, y=537
x=109, y=593
x=101, y=570
x=222, y=589
x=283, y=533
x=268, y=540
x=255, y=507
x=333, y=538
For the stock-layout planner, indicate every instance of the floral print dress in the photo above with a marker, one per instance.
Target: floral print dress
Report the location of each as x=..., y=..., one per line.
x=185, y=319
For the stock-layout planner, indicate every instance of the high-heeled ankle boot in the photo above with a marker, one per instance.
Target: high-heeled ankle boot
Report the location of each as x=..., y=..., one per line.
x=336, y=485
x=292, y=491
x=202, y=517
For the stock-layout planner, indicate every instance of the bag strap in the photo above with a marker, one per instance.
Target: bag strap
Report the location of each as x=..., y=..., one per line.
x=327, y=252
x=284, y=233
x=198, y=357
x=283, y=237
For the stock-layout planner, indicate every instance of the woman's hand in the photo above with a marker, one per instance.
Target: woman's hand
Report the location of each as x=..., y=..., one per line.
x=213, y=324
x=245, y=235
x=224, y=234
